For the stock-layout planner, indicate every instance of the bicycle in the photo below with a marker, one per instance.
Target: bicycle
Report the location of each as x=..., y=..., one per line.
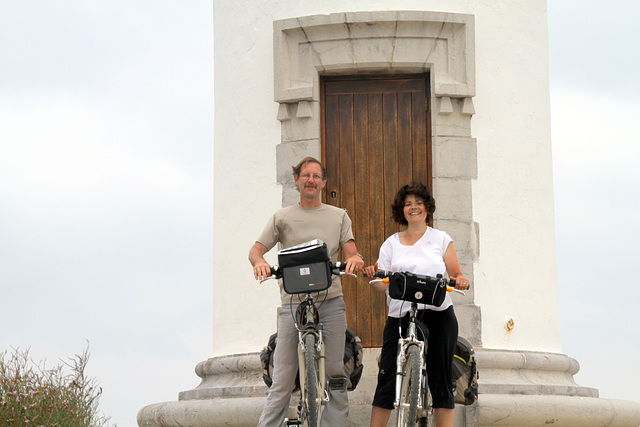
x=413, y=399
x=311, y=353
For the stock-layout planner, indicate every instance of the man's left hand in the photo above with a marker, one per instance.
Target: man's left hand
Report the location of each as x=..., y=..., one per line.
x=354, y=264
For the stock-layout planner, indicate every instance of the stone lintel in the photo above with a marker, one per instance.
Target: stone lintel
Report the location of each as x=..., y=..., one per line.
x=381, y=41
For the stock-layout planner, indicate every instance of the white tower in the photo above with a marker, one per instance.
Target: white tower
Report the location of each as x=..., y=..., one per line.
x=485, y=67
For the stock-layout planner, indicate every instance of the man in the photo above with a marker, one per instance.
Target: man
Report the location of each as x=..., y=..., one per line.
x=309, y=219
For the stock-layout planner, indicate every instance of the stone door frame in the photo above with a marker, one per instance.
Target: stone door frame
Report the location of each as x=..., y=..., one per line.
x=389, y=43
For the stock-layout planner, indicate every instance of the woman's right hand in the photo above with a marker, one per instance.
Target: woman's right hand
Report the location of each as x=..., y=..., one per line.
x=370, y=270
x=377, y=284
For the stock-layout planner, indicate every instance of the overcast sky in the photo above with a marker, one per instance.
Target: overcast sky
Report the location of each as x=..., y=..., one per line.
x=106, y=190
x=106, y=170
x=595, y=111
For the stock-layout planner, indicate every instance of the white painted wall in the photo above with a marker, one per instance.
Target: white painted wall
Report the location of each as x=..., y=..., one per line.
x=513, y=195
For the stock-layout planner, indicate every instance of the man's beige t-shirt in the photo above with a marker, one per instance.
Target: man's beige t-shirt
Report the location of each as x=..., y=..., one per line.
x=294, y=225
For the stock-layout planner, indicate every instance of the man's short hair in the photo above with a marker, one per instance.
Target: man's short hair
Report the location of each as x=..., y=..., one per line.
x=308, y=159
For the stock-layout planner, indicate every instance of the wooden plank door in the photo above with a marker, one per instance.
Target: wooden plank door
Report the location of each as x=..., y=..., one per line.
x=376, y=138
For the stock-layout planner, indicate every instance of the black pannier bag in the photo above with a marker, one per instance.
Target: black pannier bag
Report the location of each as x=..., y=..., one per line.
x=464, y=373
x=305, y=267
x=416, y=288
x=353, y=354
x=353, y=366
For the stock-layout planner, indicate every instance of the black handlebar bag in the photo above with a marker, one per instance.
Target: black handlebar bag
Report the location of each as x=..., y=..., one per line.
x=416, y=288
x=305, y=268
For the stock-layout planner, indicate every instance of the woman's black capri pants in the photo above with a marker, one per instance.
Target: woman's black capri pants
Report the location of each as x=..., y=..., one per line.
x=443, y=334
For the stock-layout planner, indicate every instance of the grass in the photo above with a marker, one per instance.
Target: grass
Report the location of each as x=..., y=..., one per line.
x=32, y=395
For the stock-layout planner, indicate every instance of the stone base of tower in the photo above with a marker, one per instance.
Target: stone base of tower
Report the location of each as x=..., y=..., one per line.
x=517, y=388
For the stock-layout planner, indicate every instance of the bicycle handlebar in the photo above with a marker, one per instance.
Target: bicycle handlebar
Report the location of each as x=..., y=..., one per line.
x=383, y=276
x=337, y=268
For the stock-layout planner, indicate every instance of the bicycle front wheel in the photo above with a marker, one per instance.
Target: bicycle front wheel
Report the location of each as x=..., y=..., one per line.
x=425, y=416
x=410, y=388
x=312, y=400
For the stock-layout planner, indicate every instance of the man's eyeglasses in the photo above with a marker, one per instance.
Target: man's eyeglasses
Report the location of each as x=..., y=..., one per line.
x=307, y=176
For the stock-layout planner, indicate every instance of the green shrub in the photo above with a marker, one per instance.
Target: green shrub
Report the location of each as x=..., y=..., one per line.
x=31, y=395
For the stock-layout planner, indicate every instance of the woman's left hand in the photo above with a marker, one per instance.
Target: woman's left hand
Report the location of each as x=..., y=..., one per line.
x=462, y=282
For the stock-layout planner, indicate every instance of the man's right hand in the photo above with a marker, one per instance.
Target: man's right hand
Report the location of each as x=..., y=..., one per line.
x=261, y=270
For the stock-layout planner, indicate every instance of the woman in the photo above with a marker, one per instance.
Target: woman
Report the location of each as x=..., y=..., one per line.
x=418, y=249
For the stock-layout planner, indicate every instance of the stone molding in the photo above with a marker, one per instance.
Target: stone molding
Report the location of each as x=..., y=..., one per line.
x=391, y=42
x=234, y=375
x=517, y=388
x=529, y=373
x=502, y=372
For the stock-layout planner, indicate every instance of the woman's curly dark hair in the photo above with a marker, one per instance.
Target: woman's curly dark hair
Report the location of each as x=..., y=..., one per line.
x=416, y=189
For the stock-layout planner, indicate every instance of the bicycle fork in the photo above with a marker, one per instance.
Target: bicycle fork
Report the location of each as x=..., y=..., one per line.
x=321, y=359
x=323, y=395
x=401, y=360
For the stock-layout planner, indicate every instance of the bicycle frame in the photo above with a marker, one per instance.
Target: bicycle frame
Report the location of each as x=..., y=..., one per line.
x=412, y=391
x=403, y=345
x=310, y=327
x=311, y=350
x=412, y=399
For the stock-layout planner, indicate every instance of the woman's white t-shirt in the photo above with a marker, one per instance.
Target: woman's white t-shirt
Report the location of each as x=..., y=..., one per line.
x=425, y=257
